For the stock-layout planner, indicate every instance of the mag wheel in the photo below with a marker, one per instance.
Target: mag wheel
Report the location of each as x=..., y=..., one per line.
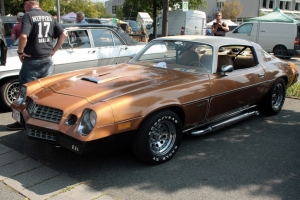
x=158, y=137
x=9, y=92
x=275, y=98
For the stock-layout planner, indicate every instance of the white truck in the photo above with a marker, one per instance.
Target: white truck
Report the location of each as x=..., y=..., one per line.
x=144, y=18
x=191, y=22
x=277, y=37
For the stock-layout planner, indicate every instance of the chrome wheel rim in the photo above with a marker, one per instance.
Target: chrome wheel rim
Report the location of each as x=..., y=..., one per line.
x=12, y=92
x=162, y=137
x=277, y=96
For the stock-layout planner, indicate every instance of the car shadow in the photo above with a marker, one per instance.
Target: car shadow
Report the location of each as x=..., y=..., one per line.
x=257, y=157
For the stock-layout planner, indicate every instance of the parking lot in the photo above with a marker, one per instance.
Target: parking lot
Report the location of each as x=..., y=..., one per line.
x=255, y=159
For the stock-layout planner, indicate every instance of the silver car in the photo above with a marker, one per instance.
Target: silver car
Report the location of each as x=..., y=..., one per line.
x=87, y=45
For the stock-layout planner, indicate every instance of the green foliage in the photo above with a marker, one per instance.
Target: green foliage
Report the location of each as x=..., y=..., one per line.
x=294, y=91
x=132, y=7
x=86, y=6
x=13, y=6
x=89, y=7
x=119, y=11
x=102, y=10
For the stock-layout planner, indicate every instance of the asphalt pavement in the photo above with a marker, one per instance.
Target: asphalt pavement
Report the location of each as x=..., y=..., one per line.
x=258, y=158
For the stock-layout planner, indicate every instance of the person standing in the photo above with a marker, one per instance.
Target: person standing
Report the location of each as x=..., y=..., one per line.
x=80, y=18
x=35, y=48
x=15, y=31
x=219, y=28
x=3, y=45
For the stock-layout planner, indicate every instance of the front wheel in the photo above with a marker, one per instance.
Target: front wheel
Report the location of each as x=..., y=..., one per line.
x=9, y=92
x=158, y=137
x=274, y=100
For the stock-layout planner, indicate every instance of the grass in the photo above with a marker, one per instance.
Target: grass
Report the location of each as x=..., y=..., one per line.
x=294, y=91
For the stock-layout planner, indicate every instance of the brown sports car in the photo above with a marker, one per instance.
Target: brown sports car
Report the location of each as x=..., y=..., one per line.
x=175, y=85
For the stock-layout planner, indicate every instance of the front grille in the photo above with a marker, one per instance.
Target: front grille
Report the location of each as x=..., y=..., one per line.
x=41, y=135
x=44, y=112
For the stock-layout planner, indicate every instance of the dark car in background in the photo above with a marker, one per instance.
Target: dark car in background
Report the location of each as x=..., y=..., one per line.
x=134, y=25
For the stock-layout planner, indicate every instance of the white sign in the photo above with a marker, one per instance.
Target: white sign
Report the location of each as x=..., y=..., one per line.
x=185, y=6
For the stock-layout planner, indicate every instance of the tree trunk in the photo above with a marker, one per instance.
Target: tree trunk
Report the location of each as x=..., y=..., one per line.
x=2, y=8
x=165, y=18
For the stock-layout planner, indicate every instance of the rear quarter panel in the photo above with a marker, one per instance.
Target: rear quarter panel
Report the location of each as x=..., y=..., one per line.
x=274, y=67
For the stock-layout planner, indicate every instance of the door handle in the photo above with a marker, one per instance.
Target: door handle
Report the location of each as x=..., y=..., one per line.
x=92, y=51
x=261, y=75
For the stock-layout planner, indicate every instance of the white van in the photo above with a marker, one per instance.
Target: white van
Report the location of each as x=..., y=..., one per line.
x=144, y=18
x=279, y=38
x=191, y=22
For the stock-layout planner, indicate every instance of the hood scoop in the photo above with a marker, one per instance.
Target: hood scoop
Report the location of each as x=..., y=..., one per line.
x=91, y=79
x=97, y=80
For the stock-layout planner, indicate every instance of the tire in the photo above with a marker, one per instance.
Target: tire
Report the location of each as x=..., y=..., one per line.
x=274, y=100
x=9, y=92
x=158, y=137
x=280, y=51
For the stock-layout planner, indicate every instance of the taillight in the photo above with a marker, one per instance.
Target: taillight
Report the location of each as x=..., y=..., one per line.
x=296, y=42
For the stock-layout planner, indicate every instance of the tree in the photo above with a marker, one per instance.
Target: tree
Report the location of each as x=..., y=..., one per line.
x=100, y=7
x=119, y=11
x=88, y=7
x=13, y=6
x=2, y=7
x=231, y=9
x=132, y=7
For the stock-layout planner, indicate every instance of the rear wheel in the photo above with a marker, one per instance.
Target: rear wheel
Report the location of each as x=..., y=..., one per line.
x=280, y=51
x=9, y=92
x=274, y=100
x=158, y=137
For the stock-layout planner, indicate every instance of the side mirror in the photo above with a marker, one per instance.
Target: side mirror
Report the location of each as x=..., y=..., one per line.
x=226, y=68
x=235, y=31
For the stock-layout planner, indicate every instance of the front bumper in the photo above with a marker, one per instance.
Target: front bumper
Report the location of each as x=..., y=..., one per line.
x=296, y=78
x=57, y=138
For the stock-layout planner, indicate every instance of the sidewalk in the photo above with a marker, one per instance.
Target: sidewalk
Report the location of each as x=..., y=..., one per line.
x=24, y=178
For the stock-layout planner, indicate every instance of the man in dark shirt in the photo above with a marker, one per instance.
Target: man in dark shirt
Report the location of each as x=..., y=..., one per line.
x=219, y=28
x=36, y=47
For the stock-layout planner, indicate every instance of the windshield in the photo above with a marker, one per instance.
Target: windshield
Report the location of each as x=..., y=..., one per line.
x=190, y=57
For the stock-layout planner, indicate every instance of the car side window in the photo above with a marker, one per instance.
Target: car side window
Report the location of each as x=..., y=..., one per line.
x=102, y=38
x=246, y=28
x=240, y=57
x=79, y=39
x=117, y=41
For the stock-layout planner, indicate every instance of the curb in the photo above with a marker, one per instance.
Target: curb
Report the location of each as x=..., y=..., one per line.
x=34, y=180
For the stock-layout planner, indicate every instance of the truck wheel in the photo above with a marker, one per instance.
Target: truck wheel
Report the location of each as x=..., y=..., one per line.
x=280, y=51
x=158, y=137
x=9, y=92
x=274, y=100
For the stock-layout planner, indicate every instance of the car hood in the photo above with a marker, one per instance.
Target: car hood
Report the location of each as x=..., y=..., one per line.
x=104, y=83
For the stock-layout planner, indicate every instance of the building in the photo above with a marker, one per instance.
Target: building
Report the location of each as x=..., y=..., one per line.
x=111, y=6
x=252, y=8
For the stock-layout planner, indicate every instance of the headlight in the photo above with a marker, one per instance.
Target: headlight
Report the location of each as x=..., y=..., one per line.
x=88, y=122
x=22, y=95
